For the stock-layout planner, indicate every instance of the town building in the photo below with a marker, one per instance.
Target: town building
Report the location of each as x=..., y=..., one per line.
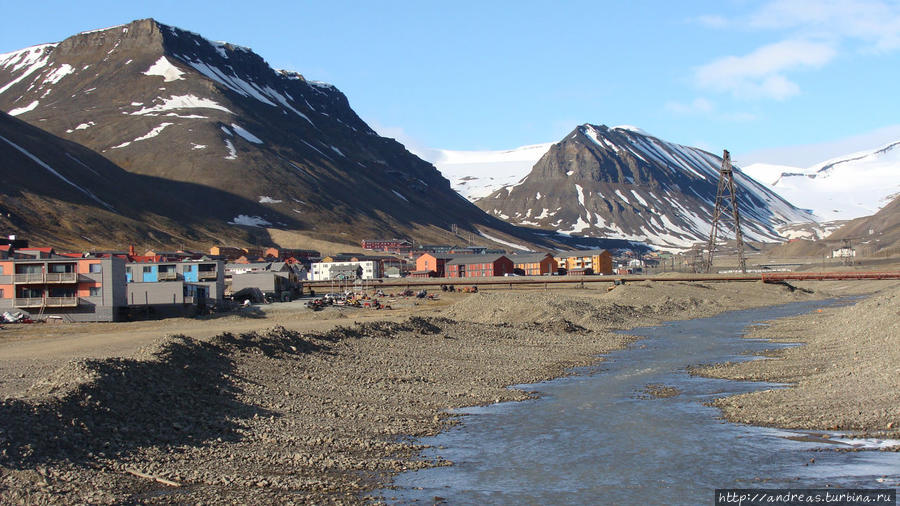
x=431, y=265
x=268, y=277
x=172, y=287
x=389, y=245
x=327, y=271
x=468, y=266
x=598, y=261
x=72, y=289
x=537, y=264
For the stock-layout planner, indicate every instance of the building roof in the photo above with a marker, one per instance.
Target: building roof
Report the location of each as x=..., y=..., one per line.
x=529, y=259
x=440, y=256
x=475, y=259
x=579, y=253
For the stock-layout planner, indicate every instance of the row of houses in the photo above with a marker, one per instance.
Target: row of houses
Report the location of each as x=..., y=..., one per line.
x=405, y=247
x=535, y=264
x=105, y=286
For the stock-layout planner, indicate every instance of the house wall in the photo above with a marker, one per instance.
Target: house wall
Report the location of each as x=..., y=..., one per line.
x=500, y=267
x=325, y=271
x=101, y=307
x=265, y=281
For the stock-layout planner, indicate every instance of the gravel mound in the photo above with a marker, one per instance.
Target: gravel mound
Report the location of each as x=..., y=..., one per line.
x=846, y=377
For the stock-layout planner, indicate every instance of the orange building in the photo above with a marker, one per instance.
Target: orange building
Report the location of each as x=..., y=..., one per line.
x=431, y=265
x=599, y=261
x=539, y=264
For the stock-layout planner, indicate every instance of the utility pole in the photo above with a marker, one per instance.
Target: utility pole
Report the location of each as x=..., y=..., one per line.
x=725, y=191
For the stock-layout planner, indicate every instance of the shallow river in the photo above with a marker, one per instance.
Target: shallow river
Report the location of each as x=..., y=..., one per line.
x=596, y=437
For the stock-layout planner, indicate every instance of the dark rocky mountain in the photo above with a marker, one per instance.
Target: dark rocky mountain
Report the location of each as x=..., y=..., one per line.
x=58, y=192
x=621, y=182
x=242, y=144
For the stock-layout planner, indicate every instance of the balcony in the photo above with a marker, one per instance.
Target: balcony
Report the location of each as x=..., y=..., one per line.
x=46, y=302
x=46, y=277
x=167, y=275
x=208, y=275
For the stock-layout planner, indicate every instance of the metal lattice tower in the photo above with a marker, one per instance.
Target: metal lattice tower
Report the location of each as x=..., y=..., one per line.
x=726, y=191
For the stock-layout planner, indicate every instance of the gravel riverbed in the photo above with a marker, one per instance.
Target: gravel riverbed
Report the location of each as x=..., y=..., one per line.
x=302, y=407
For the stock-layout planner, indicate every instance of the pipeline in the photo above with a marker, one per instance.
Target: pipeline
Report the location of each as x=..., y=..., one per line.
x=581, y=280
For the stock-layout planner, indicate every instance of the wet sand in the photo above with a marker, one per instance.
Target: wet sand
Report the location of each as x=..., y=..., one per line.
x=292, y=406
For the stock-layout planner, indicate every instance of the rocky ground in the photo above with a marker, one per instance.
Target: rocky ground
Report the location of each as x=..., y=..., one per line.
x=846, y=376
x=297, y=407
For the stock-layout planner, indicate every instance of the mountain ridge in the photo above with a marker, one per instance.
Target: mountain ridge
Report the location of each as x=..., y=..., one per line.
x=600, y=181
x=167, y=103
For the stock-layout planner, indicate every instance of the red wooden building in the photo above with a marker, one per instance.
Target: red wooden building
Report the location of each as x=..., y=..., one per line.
x=471, y=266
x=538, y=264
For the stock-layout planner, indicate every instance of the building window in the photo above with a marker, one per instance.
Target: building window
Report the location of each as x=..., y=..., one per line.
x=96, y=268
x=1, y=290
x=147, y=269
x=95, y=290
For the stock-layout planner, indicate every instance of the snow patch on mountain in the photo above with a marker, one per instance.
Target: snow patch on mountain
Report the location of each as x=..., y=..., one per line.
x=477, y=174
x=22, y=110
x=164, y=68
x=249, y=221
x=245, y=134
x=34, y=58
x=505, y=243
x=841, y=188
x=232, y=152
x=176, y=102
x=57, y=74
x=153, y=133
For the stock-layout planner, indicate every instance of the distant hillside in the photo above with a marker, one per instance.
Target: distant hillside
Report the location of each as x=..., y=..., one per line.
x=58, y=192
x=877, y=233
x=621, y=182
x=477, y=174
x=244, y=146
x=842, y=188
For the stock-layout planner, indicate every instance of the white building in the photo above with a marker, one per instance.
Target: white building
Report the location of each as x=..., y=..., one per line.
x=326, y=271
x=843, y=253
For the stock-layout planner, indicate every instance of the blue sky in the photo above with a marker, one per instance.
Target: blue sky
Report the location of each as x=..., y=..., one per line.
x=790, y=81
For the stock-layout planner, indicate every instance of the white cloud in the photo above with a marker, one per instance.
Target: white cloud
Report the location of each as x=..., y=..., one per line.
x=760, y=74
x=813, y=32
x=697, y=106
x=712, y=21
x=874, y=22
x=703, y=107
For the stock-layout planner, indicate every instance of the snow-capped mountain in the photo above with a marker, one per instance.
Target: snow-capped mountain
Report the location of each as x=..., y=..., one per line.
x=622, y=182
x=58, y=192
x=173, y=106
x=477, y=174
x=842, y=188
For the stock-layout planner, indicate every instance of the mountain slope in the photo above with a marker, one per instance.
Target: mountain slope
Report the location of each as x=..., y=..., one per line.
x=879, y=231
x=58, y=192
x=169, y=104
x=622, y=182
x=842, y=188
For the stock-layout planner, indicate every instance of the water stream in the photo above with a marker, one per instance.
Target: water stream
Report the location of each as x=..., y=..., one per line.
x=595, y=437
